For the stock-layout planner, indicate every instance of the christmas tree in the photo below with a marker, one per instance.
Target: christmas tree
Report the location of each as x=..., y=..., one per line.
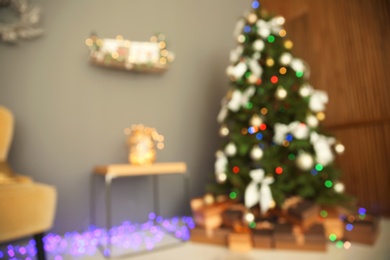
x=274, y=146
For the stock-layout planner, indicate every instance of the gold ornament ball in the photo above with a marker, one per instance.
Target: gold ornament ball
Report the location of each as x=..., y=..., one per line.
x=230, y=149
x=221, y=177
x=252, y=18
x=224, y=131
x=304, y=161
x=256, y=153
x=339, y=187
x=249, y=217
x=281, y=93
x=256, y=120
x=339, y=148
x=252, y=79
x=312, y=121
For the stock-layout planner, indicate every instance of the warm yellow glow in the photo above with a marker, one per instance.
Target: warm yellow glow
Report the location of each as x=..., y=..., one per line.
x=347, y=244
x=244, y=131
x=99, y=42
x=224, y=131
x=141, y=144
x=288, y=44
x=286, y=143
x=249, y=217
x=282, y=70
x=163, y=61
x=270, y=62
x=208, y=199
x=339, y=148
x=119, y=38
x=127, y=43
x=164, y=53
x=161, y=45
x=252, y=79
x=241, y=39
x=115, y=55
x=153, y=39
x=282, y=33
x=264, y=111
x=320, y=116
x=89, y=42
x=252, y=18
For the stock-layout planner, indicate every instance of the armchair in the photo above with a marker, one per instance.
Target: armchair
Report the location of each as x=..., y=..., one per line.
x=27, y=208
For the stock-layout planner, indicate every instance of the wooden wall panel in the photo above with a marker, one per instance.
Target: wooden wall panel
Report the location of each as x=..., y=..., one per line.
x=346, y=44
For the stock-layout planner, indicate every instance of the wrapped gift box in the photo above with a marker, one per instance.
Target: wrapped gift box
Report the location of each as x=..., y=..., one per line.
x=218, y=236
x=361, y=229
x=333, y=221
x=302, y=212
x=262, y=235
x=209, y=216
x=233, y=215
x=295, y=237
x=240, y=242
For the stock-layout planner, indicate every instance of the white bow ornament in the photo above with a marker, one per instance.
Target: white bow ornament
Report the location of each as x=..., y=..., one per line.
x=240, y=98
x=223, y=112
x=274, y=25
x=220, y=163
x=255, y=195
x=297, y=129
x=322, y=147
x=318, y=99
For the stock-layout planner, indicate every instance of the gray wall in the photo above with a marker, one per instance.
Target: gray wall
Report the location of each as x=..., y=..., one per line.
x=70, y=115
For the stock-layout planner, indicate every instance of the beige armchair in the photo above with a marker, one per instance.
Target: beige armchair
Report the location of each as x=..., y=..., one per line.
x=27, y=208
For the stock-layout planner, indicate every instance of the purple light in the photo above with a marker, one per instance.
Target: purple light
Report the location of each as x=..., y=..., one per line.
x=22, y=250
x=349, y=227
x=152, y=216
x=135, y=236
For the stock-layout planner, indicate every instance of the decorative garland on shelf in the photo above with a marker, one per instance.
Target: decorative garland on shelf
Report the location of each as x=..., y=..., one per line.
x=25, y=27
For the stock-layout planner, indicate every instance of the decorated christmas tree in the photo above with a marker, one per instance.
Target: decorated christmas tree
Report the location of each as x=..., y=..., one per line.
x=274, y=146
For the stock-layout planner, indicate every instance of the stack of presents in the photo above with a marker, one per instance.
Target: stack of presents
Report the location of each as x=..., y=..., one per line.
x=298, y=225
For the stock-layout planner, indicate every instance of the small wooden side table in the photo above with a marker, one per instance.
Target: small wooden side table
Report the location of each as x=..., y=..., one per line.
x=114, y=171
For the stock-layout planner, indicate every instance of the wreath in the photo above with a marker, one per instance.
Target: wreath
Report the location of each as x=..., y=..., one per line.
x=25, y=26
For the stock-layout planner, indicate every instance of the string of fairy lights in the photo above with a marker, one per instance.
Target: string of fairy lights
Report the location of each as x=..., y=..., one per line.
x=130, y=235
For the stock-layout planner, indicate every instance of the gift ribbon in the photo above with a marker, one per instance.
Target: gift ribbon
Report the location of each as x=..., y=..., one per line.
x=291, y=202
x=264, y=225
x=255, y=195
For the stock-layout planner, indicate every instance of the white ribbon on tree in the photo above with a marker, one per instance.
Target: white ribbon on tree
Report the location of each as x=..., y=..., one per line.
x=223, y=112
x=297, y=129
x=240, y=98
x=322, y=147
x=221, y=162
x=266, y=27
x=318, y=99
x=262, y=195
